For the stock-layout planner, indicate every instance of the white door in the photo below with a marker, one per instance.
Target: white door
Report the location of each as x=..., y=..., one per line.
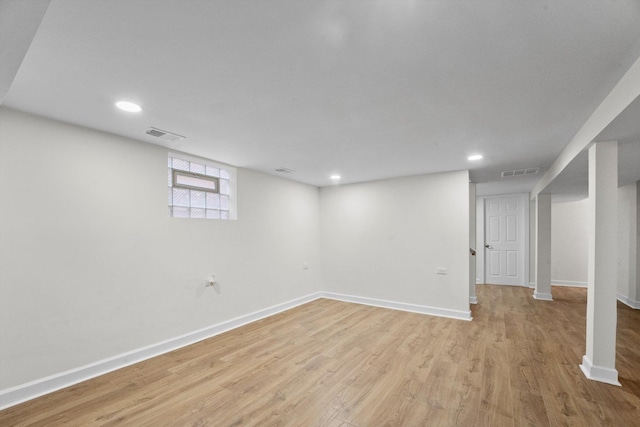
x=504, y=240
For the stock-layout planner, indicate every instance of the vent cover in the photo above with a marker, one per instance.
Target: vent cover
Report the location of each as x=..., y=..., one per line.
x=520, y=172
x=163, y=134
x=284, y=170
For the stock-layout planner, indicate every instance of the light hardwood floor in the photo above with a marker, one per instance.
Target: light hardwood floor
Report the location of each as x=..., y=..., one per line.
x=330, y=363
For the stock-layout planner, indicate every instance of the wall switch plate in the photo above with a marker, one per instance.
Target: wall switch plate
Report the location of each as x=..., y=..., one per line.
x=441, y=270
x=305, y=265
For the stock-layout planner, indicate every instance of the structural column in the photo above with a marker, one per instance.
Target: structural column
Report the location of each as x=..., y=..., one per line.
x=599, y=362
x=472, y=243
x=629, y=245
x=543, y=248
x=634, y=252
x=636, y=296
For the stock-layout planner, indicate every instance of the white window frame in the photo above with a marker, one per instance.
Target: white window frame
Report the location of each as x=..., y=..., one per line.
x=177, y=173
x=233, y=180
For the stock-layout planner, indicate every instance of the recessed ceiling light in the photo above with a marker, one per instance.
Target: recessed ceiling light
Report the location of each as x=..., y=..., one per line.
x=128, y=106
x=335, y=177
x=475, y=157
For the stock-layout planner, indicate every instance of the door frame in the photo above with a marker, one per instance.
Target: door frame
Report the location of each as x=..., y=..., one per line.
x=480, y=258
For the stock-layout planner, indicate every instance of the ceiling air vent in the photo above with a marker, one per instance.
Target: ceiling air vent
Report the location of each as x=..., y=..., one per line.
x=520, y=172
x=284, y=170
x=163, y=134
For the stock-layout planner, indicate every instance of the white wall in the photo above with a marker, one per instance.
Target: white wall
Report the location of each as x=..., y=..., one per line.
x=91, y=265
x=628, y=243
x=385, y=239
x=569, y=243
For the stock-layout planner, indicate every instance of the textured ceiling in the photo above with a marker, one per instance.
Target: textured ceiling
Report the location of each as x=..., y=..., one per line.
x=368, y=89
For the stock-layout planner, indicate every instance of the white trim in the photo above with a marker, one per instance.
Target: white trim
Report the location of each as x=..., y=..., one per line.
x=542, y=296
x=532, y=285
x=21, y=393
x=599, y=373
x=569, y=283
x=473, y=300
x=402, y=306
x=628, y=301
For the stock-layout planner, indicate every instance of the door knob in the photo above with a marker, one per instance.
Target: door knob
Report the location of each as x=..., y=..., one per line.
x=487, y=246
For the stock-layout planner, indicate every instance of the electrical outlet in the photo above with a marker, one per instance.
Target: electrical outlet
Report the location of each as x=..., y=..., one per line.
x=441, y=270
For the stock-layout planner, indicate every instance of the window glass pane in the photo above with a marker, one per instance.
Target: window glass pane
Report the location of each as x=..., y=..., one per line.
x=197, y=199
x=224, y=214
x=170, y=196
x=180, y=197
x=170, y=177
x=211, y=171
x=169, y=161
x=224, y=174
x=224, y=186
x=213, y=214
x=180, y=164
x=197, y=213
x=224, y=202
x=197, y=168
x=180, y=212
x=213, y=201
x=205, y=183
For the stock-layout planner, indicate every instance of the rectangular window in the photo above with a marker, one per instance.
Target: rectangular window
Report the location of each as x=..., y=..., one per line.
x=195, y=181
x=200, y=189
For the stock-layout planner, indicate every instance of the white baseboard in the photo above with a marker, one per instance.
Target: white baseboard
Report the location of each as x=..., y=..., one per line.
x=473, y=299
x=21, y=393
x=542, y=296
x=422, y=309
x=569, y=283
x=532, y=285
x=628, y=301
x=599, y=373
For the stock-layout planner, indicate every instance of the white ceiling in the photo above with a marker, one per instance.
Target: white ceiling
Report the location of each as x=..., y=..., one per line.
x=368, y=89
x=19, y=21
x=573, y=182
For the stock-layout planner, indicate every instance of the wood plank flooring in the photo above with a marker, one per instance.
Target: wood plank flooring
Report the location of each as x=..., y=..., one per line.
x=330, y=363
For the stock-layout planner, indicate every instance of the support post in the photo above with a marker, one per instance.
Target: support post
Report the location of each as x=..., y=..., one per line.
x=473, y=299
x=599, y=361
x=543, y=248
x=636, y=296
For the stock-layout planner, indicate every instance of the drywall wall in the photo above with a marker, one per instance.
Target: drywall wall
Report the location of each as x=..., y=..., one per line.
x=628, y=244
x=384, y=240
x=569, y=243
x=91, y=265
